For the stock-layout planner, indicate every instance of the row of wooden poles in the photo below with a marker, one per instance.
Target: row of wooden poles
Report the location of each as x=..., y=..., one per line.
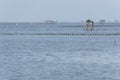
x=106, y=34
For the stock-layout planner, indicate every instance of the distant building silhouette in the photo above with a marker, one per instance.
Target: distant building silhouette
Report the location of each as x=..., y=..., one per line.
x=50, y=21
x=102, y=21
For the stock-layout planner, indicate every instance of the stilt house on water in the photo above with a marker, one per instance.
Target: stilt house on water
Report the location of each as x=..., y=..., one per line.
x=89, y=25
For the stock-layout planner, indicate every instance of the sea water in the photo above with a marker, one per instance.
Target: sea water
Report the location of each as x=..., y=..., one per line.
x=58, y=57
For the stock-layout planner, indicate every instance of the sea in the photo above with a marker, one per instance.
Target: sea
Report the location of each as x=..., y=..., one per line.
x=59, y=51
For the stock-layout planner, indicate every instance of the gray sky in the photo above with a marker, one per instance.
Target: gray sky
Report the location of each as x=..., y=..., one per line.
x=61, y=10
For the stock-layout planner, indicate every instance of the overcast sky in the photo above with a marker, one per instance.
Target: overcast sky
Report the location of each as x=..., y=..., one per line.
x=61, y=10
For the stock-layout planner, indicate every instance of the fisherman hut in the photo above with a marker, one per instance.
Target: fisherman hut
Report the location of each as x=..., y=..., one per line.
x=89, y=25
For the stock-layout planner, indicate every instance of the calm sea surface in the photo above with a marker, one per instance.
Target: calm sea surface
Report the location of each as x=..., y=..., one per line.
x=58, y=57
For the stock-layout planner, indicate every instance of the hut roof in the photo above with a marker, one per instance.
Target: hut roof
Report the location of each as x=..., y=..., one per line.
x=89, y=20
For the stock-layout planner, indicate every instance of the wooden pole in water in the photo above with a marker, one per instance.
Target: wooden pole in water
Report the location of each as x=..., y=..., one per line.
x=115, y=42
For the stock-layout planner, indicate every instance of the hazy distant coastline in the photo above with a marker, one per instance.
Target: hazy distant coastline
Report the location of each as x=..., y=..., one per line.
x=59, y=24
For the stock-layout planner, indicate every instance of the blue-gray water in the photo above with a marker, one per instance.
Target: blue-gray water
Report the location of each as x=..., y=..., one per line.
x=42, y=28
x=58, y=57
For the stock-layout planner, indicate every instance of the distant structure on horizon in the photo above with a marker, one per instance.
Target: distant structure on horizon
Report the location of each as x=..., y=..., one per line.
x=116, y=21
x=102, y=21
x=50, y=21
x=89, y=25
